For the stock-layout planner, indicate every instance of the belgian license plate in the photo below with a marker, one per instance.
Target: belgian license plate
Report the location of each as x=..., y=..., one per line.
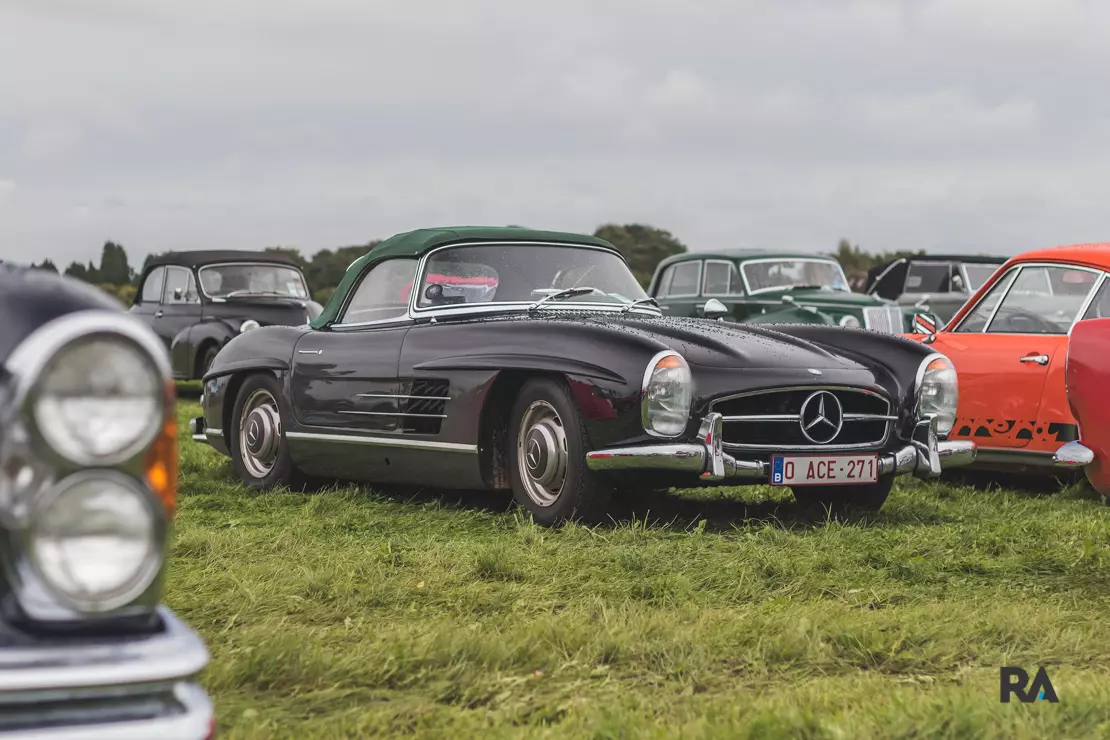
x=822, y=471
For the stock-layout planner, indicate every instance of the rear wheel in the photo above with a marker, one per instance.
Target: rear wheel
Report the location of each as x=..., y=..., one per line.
x=871, y=496
x=259, y=450
x=548, y=445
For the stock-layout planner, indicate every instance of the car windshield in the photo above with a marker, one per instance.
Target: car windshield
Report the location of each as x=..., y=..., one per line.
x=223, y=281
x=778, y=274
x=519, y=273
x=977, y=275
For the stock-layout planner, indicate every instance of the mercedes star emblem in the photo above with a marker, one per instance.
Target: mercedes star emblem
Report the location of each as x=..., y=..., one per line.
x=821, y=417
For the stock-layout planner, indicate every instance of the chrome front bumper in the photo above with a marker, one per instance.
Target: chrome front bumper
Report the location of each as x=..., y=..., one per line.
x=1073, y=455
x=122, y=688
x=925, y=457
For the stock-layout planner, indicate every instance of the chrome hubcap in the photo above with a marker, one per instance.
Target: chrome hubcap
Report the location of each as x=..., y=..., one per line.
x=541, y=453
x=260, y=433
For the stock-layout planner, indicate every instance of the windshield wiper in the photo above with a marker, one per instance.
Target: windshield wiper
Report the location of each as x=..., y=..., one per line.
x=809, y=286
x=640, y=302
x=255, y=292
x=562, y=295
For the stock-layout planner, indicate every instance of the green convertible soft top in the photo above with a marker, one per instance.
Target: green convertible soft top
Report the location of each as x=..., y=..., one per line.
x=416, y=243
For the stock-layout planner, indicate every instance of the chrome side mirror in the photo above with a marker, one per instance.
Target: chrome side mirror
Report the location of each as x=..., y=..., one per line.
x=925, y=323
x=788, y=299
x=714, y=309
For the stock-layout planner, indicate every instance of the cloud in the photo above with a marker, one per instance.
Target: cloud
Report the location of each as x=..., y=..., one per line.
x=956, y=124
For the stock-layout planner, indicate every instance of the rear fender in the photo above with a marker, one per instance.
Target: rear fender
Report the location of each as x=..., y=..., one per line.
x=1087, y=376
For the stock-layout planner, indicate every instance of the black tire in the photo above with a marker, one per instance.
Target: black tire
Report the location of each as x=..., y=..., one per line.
x=871, y=496
x=262, y=469
x=581, y=494
x=206, y=359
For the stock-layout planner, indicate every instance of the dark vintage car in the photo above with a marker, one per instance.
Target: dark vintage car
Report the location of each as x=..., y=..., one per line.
x=88, y=476
x=561, y=380
x=768, y=287
x=197, y=301
x=934, y=283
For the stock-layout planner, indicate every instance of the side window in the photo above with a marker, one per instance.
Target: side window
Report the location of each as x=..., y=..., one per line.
x=721, y=278
x=1043, y=300
x=929, y=277
x=1100, y=306
x=383, y=293
x=687, y=276
x=152, y=286
x=977, y=320
x=180, y=286
x=664, y=286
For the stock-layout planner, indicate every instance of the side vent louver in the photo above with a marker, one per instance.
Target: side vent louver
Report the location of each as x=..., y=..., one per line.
x=425, y=407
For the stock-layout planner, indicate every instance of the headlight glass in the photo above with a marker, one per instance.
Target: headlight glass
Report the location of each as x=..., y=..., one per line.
x=94, y=541
x=99, y=400
x=850, y=322
x=668, y=393
x=938, y=393
x=248, y=325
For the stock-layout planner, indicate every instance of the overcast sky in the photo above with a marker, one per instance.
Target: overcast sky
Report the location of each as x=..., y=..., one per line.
x=945, y=125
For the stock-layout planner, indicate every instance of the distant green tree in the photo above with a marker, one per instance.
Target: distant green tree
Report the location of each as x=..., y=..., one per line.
x=46, y=265
x=291, y=252
x=79, y=271
x=114, y=267
x=643, y=246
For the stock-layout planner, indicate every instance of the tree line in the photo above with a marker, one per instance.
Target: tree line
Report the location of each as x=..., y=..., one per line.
x=643, y=246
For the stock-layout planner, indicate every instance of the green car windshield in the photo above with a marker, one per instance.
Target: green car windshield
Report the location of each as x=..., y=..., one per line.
x=507, y=273
x=778, y=274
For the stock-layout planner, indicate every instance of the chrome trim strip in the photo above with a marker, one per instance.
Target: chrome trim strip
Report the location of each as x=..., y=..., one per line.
x=394, y=413
x=796, y=417
x=416, y=444
x=402, y=395
x=310, y=352
x=760, y=260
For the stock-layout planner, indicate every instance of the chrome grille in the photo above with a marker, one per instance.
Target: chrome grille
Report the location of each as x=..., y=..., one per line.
x=887, y=319
x=771, y=419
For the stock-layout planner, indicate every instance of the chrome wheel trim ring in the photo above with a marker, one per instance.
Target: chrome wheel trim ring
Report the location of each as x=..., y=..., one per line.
x=259, y=433
x=541, y=453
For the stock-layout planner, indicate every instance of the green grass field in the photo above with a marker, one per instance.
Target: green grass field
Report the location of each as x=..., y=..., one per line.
x=723, y=613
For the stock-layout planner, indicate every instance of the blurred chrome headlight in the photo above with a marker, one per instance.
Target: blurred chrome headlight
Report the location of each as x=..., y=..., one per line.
x=668, y=392
x=849, y=321
x=938, y=392
x=95, y=540
x=98, y=400
x=248, y=325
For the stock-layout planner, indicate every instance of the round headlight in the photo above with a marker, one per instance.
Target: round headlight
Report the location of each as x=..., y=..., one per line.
x=667, y=395
x=99, y=400
x=248, y=325
x=95, y=541
x=850, y=322
x=938, y=392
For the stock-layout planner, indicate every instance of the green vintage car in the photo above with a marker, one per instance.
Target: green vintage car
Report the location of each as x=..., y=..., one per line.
x=766, y=287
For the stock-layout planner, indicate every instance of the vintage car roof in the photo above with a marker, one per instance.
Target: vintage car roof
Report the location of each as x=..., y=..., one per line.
x=200, y=257
x=1096, y=254
x=416, y=243
x=744, y=254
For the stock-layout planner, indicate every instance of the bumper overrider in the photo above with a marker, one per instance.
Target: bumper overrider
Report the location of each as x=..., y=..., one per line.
x=926, y=456
x=119, y=688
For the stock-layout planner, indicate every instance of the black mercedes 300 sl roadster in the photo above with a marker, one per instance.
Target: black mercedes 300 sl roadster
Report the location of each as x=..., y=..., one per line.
x=88, y=480
x=471, y=357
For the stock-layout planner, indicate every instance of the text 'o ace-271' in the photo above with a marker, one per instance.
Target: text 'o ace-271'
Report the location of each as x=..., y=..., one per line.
x=508, y=358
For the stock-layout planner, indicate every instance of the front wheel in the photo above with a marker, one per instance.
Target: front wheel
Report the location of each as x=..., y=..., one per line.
x=870, y=496
x=547, y=461
x=259, y=451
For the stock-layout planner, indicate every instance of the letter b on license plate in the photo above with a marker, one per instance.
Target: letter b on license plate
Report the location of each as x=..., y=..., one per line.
x=810, y=470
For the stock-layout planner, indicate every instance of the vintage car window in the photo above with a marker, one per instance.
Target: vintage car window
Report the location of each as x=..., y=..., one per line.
x=1043, y=300
x=152, y=286
x=664, y=283
x=1100, y=304
x=222, y=281
x=179, y=279
x=721, y=278
x=524, y=273
x=383, y=293
x=979, y=316
x=929, y=277
x=761, y=275
x=684, y=279
x=977, y=275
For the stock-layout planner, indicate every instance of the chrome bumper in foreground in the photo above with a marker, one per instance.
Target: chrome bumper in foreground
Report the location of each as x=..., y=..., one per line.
x=122, y=688
x=925, y=457
x=1073, y=455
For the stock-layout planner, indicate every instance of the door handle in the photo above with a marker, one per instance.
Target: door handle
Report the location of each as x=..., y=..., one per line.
x=1039, y=359
x=158, y=314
